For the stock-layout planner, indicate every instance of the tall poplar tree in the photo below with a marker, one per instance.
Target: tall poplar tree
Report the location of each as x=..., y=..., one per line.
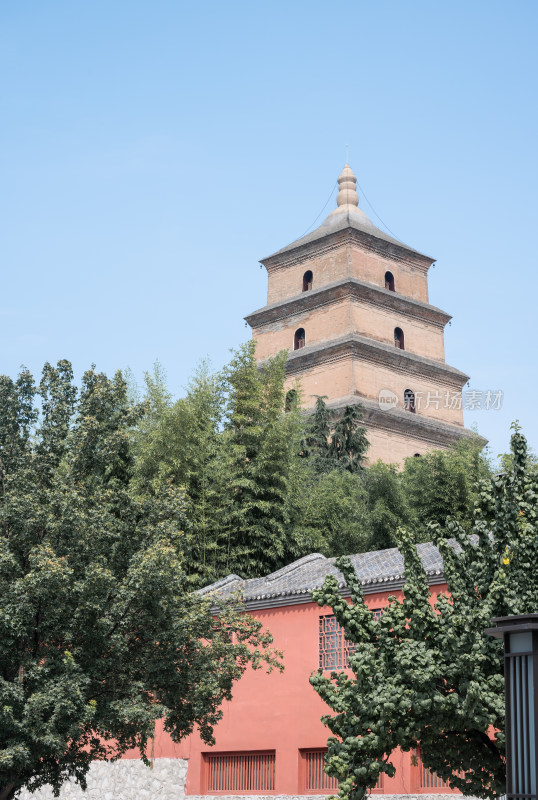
x=261, y=443
x=178, y=447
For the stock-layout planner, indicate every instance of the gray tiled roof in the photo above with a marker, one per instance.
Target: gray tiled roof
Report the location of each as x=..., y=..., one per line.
x=340, y=219
x=377, y=571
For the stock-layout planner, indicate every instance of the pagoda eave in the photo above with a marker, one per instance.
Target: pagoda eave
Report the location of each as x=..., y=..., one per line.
x=345, y=289
x=303, y=250
x=370, y=350
x=434, y=433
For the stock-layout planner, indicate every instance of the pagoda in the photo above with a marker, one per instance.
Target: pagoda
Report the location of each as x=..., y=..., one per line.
x=350, y=303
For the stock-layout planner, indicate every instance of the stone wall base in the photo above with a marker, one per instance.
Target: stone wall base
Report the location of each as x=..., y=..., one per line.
x=374, y=796
x=128, y=779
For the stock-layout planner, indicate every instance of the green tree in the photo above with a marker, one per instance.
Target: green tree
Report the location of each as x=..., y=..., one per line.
x=100, y=635
x=315, y=444
x=203, y=477
x=334, y=440
x=428, y=675
x=387, y=505
x=348, y=441
x=230, y=450
x=154, y=432
x=443, y=483
x=178, y=444
x=331, y=513
x=260, y=447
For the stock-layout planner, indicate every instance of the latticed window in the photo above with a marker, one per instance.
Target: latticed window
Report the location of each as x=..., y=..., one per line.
x=430, y=780
x=334, y=649
x=316, y=779
x=331, y=651
x=240, y=772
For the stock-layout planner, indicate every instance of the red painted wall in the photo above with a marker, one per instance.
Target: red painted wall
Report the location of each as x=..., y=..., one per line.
x=281, y=711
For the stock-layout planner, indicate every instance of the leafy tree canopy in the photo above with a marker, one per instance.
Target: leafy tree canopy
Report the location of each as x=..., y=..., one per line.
x=260, y=446
x=263, y=483
x=444, y=483
x=349, y=444
x=388, y=505
x=100, y=635
x=425, y=674
x=335, y=440
x=331, y=512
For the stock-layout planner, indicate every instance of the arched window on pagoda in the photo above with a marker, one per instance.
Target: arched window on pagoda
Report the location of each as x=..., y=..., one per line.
x=399, y=338
x=299, y=340
x=307, y=280
x=291, y=399
x=389, y=281
x=409, y=401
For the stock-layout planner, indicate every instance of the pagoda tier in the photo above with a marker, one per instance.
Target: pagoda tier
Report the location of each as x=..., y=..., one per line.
x=350, y=303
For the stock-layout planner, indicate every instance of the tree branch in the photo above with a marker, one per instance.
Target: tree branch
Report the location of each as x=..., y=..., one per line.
x=7, y=792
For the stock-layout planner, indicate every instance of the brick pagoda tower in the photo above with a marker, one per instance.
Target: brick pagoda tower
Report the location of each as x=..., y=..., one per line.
x=351, y=305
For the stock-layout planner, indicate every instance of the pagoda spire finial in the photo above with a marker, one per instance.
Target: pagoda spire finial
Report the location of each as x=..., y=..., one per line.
x=347, y=195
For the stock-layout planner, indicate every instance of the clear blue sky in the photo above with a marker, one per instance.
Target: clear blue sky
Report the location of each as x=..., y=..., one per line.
x=152, y=152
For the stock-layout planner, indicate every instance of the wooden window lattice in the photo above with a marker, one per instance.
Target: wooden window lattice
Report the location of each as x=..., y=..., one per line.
x=241, y=772
x=430, y=780
x=334, y=649
x=331, y=651
x=317, y=780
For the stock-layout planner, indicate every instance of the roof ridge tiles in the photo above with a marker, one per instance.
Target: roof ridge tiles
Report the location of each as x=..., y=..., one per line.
x=295, y=565
x=295, y=582
x=222, y=583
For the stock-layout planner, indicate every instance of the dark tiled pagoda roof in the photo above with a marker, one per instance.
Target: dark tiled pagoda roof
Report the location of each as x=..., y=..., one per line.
x=346, y=216
x=350, y=218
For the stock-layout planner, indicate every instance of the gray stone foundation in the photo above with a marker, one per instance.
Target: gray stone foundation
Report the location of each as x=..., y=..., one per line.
x=128, y=779
x=374, y=796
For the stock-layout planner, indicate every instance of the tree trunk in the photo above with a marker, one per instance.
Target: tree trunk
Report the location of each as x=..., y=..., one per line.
x=7, y=791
